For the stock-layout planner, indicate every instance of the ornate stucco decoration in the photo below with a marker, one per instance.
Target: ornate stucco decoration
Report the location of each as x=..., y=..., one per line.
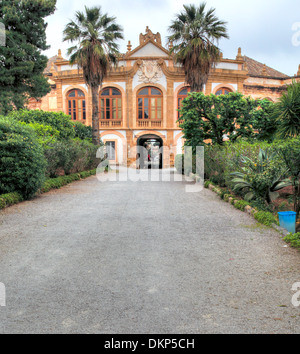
x=144, y=38
x=150, y=71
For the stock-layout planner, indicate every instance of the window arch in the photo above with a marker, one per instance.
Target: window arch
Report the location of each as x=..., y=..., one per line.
x=110, y=104
x=150, y=103
x=76, y=104
x=223, y=91
x=182, y=94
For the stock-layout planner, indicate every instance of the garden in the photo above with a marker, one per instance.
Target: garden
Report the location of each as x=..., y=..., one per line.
x=252, y=151
x=40, y=151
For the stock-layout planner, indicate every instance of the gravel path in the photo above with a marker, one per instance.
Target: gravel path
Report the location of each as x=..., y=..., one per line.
x=142, y=257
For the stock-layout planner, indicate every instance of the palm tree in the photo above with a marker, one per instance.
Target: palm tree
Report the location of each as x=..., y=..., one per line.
x=287, y=111
x=193, y=34
x=95, y=52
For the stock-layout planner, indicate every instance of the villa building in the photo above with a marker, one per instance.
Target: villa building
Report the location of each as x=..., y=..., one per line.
x=139, y=99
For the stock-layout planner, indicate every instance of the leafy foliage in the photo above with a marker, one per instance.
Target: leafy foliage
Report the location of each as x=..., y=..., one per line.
x=293, y=239
x=73, y=157
x=59, y=122
x=208, y=119
x=22, y=163
x=82, y=131
x=287, y=111
x=193, y=33
x=261, y=178
x=290, y=151
x=265, y=218
x=21, y=61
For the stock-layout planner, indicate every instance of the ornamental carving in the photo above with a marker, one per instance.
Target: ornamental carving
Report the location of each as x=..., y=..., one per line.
x=150, y=71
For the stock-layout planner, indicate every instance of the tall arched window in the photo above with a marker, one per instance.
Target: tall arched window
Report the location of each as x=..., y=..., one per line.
x=111, y=104
x=76, y=105
x=223, y=91
x=150, y=102
x=183, y=93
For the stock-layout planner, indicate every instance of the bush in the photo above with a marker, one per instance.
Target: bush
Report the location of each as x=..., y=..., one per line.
x=56, y=183
x=293, y=239
x=22, y=163
x=59, y=121
x=9, y=199
x=83, y=131
x=73, y=157
x=221, y=161
x=265, y=218
x=241, y=205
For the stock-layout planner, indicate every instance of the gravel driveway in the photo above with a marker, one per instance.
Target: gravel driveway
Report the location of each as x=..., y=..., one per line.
x=126, y=257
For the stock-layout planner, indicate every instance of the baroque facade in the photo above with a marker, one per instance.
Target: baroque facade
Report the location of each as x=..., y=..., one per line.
x=139, y=99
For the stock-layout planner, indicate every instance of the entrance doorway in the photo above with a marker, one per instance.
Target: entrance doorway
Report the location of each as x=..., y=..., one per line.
x=150, y=152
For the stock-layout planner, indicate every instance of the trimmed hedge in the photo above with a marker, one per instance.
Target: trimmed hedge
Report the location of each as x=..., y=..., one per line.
x=9, y=199
x=56, y=183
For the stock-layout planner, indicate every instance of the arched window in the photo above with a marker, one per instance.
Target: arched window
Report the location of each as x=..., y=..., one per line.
x=149, y=101
x=76, y=105
x=111, y=104
x=183, y=93
x=223, y=91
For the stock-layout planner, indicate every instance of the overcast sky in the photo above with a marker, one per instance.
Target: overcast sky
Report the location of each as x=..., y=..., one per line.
x=267, y=30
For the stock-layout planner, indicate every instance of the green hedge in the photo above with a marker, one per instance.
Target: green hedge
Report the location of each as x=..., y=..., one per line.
x=56, y=183
x=53, y=183
x=10, y=199
x=22, y=162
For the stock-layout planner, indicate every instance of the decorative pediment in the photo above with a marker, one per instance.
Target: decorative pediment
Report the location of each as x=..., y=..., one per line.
x=149, y=50
x=150, y=46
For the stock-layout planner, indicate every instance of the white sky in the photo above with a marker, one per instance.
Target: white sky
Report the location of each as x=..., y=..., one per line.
x=263, y=28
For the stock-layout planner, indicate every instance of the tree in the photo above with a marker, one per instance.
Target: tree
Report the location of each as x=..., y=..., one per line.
x=287, y=110
x=21, y=61
x=214, y=117
x=96, y=49
x=193, y=34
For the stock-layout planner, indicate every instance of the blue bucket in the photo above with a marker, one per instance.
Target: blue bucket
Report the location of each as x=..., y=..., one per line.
x=287, y=220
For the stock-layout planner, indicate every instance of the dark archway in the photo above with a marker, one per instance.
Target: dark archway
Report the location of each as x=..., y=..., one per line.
x=150, y=152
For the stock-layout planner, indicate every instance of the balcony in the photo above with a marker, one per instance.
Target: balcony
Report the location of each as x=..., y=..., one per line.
x=147, y=123
x=110, y=123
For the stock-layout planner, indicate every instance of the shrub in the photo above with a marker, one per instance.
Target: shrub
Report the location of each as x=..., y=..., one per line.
x=265, y=218
x=293, y=239
x=22, y=163
x=241, y=205
x=290, y=152
x=82, y=131
x=9, y=199
x=261, y=178
x=73, y=157
x=59, y=121
x=206, y=184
